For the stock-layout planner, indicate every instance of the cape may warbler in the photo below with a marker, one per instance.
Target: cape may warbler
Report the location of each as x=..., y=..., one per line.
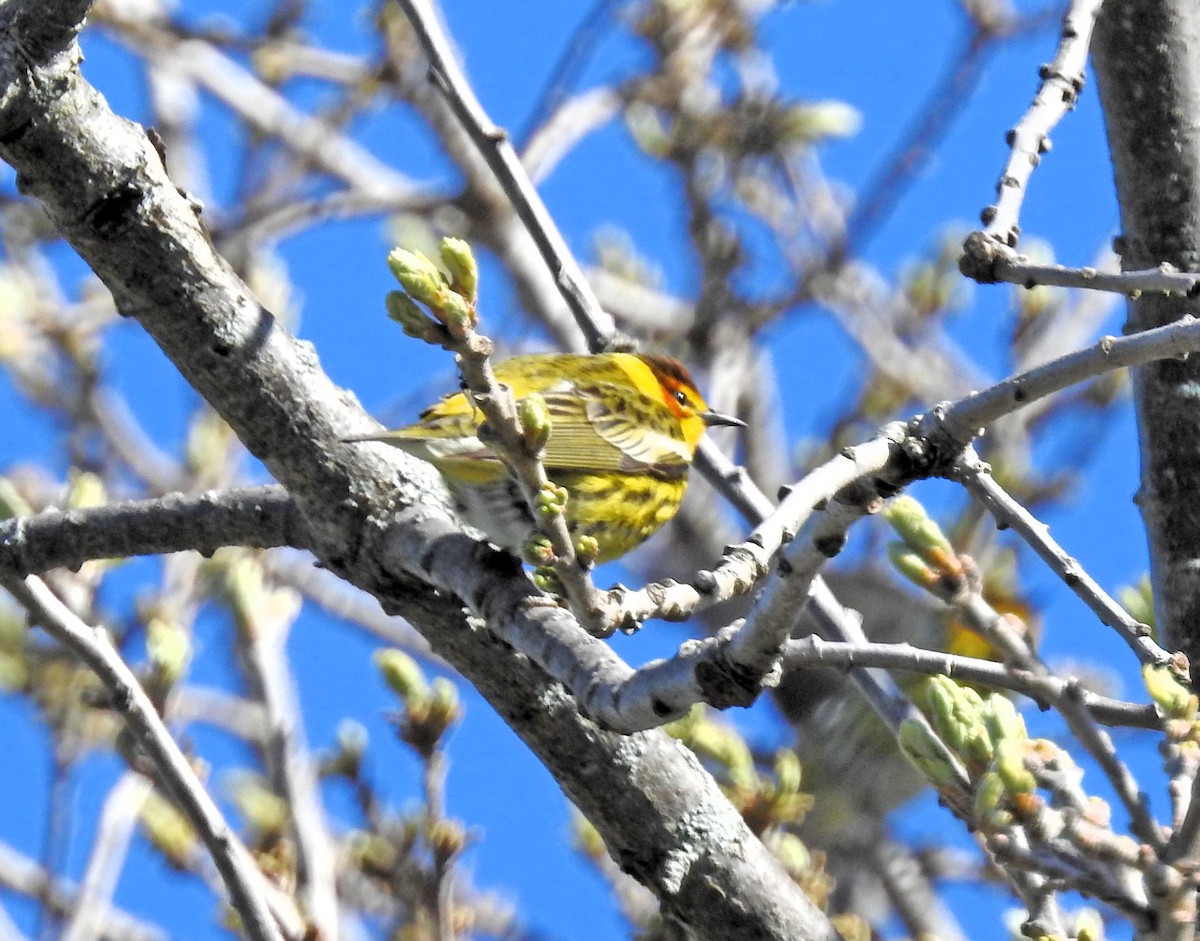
x=623, y=431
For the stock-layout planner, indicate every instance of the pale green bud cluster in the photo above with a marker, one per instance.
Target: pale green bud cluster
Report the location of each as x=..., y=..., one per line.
x=464, y=274
x=538, y=550
x=983, y=737
x=552, y=500
x=350, y=747
x=401, y=674
x=11, y=502
x=956, y=713
x=587, y=548
x=256, y=605
x=547, y=580
x=169, y=647
x=925, y=556
x=929, y=755
x=169, y=830
x=534, y=416
x=1178, y=705
x=430, y=709
x=405, y=311
x=1138, y=600
x=265, y=812
x=451, y=298
x=1174, y=699
x=85, y=490
x=821, y=120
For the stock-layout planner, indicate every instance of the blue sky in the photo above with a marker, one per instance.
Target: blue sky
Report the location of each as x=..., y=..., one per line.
x=882, y=58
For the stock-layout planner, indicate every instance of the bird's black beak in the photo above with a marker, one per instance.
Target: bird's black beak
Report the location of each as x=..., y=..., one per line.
x=716, y=418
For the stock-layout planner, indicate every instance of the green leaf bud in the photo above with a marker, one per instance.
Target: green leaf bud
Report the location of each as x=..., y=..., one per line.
x=537, y=550
x=402, y=674
x=464, y=273
x=551, y=500
x=929, y=755
x=169, y=647
x=535, y=422
x=1171, y=696
x=404, y=310
x=587, y=548
x=418, y=276
x=458, y=316
x=910, y=564
x=1002, y=719
x=991, y=800
x=1010, y=765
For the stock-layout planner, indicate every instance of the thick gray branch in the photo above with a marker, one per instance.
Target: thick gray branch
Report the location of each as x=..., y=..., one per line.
x=1145, y=58
x=258, y=517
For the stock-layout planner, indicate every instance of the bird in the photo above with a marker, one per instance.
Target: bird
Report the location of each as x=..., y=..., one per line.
x=624, y=428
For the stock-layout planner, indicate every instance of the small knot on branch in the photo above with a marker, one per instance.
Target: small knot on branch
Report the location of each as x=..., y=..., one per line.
x=981, y=254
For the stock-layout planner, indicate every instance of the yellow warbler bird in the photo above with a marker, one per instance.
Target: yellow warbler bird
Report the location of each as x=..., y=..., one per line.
x=623, y=431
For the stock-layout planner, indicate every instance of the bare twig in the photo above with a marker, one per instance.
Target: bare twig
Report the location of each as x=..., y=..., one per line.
x=9, y=930
x=906, y=160
x=987, y=261
x=956, y=424
x=493, y=143
x=973, y=474
x=571, y=62
x=329, y=592
x=243, y=881
x=1062, y=80
x=1044, y=690
x=113, y=834
x=566, y=127
x=265, y=109
x=433, y=782
x=293, y=771
x=22, y=875
x=912, y=893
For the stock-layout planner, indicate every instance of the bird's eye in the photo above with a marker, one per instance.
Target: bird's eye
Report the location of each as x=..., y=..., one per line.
x=681, y=397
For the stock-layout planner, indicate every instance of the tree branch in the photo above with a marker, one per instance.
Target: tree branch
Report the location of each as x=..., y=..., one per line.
x=245, y=883
x=1144, y=56
x=255, y=517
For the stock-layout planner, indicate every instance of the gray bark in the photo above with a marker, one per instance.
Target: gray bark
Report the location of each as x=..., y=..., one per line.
x=1146, y=55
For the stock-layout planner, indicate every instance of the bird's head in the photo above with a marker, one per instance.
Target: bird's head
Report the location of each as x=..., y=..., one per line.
x=678, y=391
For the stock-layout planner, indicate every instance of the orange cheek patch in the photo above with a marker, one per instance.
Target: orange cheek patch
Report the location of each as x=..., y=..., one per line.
x=668, y=397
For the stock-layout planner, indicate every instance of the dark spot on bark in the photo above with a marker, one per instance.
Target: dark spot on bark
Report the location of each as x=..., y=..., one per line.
x=114, y=212
x=830, y=546
x=122, y=699
x=885, y=488
x=15, y=133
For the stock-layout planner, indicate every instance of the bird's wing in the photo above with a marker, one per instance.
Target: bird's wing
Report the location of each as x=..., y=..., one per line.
x=601, y=426
x=445, y=436
x=594, y=427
